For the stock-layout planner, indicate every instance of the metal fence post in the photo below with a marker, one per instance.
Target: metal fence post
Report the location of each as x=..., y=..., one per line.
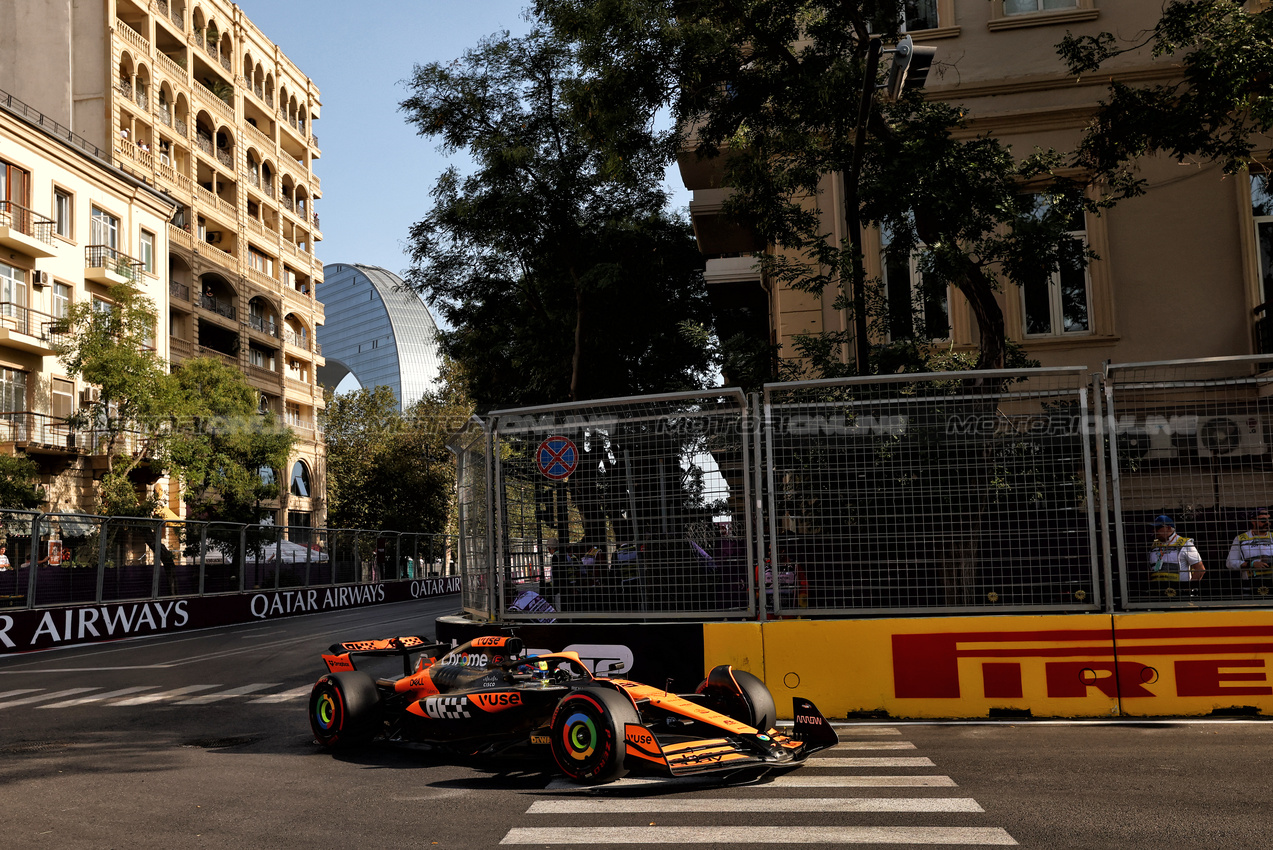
x=158, y=566
x=1102, y=479
x=35, y=558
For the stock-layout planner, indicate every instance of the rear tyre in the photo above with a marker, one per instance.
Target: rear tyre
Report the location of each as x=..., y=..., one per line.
x=739, y=695
x=588, y=736
x=344, y=709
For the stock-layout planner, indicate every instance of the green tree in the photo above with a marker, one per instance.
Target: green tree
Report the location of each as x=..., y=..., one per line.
x=555, y=263
x=19, y=482
x=390, y=469
x=1219, y=109
x=231, y=457
x=774, y=88
x=111, y=345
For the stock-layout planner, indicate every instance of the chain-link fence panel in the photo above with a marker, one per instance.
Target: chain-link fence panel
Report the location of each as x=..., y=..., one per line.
x=624, y=508
x=472, y=450
x=15, y=558
x=1190, y=455
x=944, y=492
x=429, y=555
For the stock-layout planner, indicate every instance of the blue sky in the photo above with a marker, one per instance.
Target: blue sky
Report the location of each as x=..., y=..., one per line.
x=376, y=172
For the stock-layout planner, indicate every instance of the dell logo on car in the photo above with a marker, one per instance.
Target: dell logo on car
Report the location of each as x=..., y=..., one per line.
x=447, y=708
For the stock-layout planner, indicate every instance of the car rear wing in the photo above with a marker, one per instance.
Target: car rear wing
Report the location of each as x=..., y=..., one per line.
x=338, y=655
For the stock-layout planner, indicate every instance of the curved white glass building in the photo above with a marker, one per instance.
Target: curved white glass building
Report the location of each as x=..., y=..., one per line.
x=378, y=331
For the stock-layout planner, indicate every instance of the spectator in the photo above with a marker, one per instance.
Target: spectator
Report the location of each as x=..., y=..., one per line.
x=1252, y=552
x=1174, y=563
x=4, y=559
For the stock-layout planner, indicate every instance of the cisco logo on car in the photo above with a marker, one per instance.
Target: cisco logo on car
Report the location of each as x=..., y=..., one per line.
x=598, y=656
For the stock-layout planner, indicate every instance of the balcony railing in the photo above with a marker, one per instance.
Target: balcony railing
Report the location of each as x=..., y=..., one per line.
x=105, y=257
x=126, y=88
x=225, y=158
x=227, y=359
x=131, y=35
x=26, y=221
x=263, y=325
x=164, y=113
x=204, y=143
x=142, y=98
x=179, y=125
x=24, y=320
x=40, y=429
x=180, y=348
x=179, y=291
x=300, y=340
x=216, y=305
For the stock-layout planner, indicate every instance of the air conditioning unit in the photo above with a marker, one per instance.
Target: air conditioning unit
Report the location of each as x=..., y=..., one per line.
x=1146, y=444
x=1231, y=435
x=214, y=236
x=90, y=395
x=40, y=279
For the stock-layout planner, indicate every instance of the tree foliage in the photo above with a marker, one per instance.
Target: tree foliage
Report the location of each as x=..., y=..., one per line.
x=389, y=468
x=19, y=482
x=1219, y=110
x=773, y=87
x=228, y=445
x=555, y=264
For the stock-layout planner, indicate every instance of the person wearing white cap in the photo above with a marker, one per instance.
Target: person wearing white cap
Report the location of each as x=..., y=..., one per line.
x=1173, y=560
x=1252, y=553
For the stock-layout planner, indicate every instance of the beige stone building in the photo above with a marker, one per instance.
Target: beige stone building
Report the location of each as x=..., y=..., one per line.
x=1183, y=270
x=194, y=101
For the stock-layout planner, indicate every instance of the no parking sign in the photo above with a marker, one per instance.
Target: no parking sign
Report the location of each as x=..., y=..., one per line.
x=557, y=458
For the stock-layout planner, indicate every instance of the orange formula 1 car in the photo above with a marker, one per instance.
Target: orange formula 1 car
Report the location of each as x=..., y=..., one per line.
x=486, y=698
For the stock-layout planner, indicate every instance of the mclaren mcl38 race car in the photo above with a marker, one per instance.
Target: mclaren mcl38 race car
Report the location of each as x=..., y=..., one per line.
x=487, y=698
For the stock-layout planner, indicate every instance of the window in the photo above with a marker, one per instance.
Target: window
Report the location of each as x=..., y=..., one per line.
x=13, y=390
x=13, y=290
x=919, y=15
x=61, y=300
x=261, y=358
x=104, y=230
x=1262, y=212
x=300, y=480
x=1059, y=303
x=147, y=249
x=917, y=308
x=63, y=398
x=15, y=183
x=1029, y=7
x=101, y=305
x=260, y=262
x=62, y=213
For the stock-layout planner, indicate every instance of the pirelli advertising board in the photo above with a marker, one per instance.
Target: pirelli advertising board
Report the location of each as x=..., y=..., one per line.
x=1142, y=664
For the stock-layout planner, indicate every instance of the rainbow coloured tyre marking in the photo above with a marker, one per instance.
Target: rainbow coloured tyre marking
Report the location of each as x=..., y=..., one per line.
x=326, y=711
x=580, y=735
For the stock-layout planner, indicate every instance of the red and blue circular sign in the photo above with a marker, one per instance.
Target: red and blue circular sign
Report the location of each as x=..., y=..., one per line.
x=557, y=458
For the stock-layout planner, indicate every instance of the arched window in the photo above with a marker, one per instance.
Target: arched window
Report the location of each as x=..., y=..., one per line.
x=300, y=480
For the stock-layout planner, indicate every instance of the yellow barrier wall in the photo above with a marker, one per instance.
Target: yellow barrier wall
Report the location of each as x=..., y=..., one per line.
x=1088, y=665
x=1194, y=662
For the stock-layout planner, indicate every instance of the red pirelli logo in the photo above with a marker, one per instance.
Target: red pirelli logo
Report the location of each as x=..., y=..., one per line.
x=926, y=666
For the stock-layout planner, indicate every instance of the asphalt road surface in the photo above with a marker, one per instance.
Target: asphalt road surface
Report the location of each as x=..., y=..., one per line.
x=201, y=740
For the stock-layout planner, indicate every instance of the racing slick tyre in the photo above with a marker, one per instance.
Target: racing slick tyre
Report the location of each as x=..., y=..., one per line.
x=740, y=695
x=344, y=709
x=587, y=734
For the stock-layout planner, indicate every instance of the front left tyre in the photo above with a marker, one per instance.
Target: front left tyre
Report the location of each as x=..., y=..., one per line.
x=587, y=734
x=344, y=709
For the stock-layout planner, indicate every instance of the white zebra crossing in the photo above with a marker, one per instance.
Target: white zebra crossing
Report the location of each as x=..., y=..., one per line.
x=133, y=696
x=849, y=802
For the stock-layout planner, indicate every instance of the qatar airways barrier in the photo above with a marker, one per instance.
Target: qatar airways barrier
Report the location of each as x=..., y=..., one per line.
x=25, y=630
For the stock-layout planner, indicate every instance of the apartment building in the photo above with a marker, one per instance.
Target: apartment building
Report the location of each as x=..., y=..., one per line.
x=1184, y=271
x=194, y=101
x=71, y=227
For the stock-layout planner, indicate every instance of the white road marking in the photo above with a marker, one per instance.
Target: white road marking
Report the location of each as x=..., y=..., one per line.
x=233, y=692
x=294, y=693
x=870, y=745
x=98, y=697
x=886, y=761
x=19, y=692
x=793, y=780
x=717, y=804
x=718, y=835
x=42, y=696
x=160, y=697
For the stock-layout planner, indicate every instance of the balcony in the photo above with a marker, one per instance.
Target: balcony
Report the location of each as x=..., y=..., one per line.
x=215, y=305
x=28, y=330
x=228, y=359
x=133, y=37
x=38, y=433
x=262, y=325
x=23, y=230
x=109, y=267
x=180, y=349
x=300, y=340
x=178, y=291
x=262, y=378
